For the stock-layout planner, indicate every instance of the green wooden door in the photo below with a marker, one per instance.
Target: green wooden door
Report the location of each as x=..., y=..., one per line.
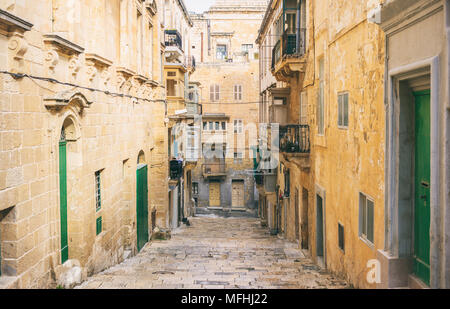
x=422, y=186
x=63, y=200
x=142, y=206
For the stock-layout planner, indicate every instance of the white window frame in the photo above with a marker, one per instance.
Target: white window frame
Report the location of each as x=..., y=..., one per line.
x=364, y=199
x=238, y=126
x=343, y=118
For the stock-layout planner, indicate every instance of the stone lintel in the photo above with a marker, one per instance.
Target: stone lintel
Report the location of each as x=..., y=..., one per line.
x=63, y=45
x=11, y=23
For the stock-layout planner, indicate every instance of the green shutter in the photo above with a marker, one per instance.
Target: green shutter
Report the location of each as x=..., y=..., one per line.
x=142, y=206
x=99, y=225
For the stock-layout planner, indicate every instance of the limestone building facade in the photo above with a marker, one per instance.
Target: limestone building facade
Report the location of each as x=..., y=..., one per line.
x=227, y=69
x=416, y=252
x=83, y=157
x=326, y=59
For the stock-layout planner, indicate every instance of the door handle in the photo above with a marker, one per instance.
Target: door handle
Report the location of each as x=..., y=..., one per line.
x=424, y=197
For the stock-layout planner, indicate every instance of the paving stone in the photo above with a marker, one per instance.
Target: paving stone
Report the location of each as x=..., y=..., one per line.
x=217, y=253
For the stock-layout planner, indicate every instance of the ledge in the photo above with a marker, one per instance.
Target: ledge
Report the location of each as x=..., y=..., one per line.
x=62, y=99
x=98, y=60
x=63, y=45
x=11, y=23
x=125, y=72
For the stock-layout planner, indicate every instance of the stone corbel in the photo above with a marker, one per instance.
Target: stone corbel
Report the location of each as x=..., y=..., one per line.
x=123, y=78
x=98, y=64
x=74, y=66
x=52, y=59
x=91, y=70
x=17, y=47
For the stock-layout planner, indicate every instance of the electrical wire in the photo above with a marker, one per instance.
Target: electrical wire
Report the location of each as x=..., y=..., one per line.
x=55, y=81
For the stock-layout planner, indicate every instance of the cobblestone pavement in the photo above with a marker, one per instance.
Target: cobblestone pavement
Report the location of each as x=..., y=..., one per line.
x=218, y=253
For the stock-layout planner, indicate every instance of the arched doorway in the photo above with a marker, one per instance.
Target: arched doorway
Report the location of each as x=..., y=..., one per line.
x=141, y=202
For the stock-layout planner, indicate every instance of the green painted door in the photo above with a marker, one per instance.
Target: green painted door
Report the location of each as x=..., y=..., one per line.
x=63, y=200
x=142, y=206
x=422, y=186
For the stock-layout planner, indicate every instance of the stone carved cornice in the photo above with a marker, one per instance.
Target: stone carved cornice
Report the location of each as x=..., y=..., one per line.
x=11, y=23
x=62, y=45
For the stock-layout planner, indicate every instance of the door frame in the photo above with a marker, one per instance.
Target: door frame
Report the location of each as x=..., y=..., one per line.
x=392, y=216
x=322, y=194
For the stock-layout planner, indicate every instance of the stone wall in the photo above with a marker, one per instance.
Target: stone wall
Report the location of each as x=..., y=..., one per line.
x=112, y=113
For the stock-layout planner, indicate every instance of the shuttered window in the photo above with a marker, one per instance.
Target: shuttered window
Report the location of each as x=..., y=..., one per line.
x=343, y=110
x=98, y=197
x=238, y=92
x=214, y=93
x=303, y=108
x=238, y=126
x=320, y=100
x=341, y=238
x=366, y=218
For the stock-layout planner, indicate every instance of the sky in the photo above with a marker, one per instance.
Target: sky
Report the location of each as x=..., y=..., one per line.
x=198, y=6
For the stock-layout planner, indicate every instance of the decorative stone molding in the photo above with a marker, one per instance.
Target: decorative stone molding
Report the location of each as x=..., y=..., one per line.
x=52, y=59
x=62, y=45
x=98, y=64
x=11, y=24
x=64, y=98
x=123, y=76
x=151, y=7
x=74, y=66
x=18, y=46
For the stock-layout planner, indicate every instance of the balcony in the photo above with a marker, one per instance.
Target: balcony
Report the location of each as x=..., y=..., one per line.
x=173, y=39
x=288, y=56
x=214, y=170
x=176, y=169
x=294, y=139
x=174, y=46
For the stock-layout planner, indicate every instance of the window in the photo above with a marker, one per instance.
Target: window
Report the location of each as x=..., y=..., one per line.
x=171, y=88
x=287, y=184
x=221, y=52
x=224, y=126
x=205, y=126
x=246, y=47
x=341, y=238
x=320, y=99
x=366, y=218
x=98, y=197
x=238, y=126
x=290, y=22
x=238, y=92
x=99, y=226
x=303, y=108
x=195, y=188
x=217, y=127
x=214, y=93
x=238, y=156
x=343, y=110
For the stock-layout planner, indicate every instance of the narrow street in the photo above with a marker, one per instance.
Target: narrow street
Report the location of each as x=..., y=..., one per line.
x=217, y=253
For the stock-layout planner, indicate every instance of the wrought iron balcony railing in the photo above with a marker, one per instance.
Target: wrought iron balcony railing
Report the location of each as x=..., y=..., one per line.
x=287, y=47
x=295, y=139
x=173, y=38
